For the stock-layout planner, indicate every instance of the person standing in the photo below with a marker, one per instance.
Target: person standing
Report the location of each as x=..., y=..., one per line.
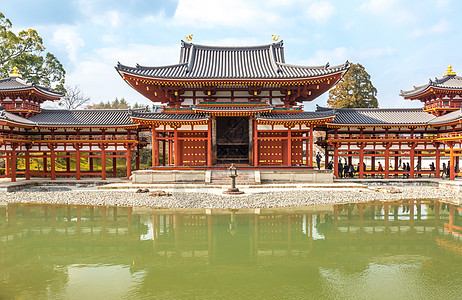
x=318, y=160
x=445, y=171
x=340, y=169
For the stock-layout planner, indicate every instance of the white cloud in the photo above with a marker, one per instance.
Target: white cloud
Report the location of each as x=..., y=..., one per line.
x=229, y=13
x=342, y=54
x=108, y=19
x=67, y=37
x=391, y=9
x=441, y=27
x=320, y=11
x=140, y=53
x=98, y=79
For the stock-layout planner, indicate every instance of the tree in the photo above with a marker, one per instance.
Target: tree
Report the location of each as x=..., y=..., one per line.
x=26, y=52
x=116, y=104
x=354, y=90
x=74, y=98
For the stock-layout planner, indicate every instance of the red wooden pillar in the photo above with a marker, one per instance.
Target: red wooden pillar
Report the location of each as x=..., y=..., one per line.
x=163, y=152
x=129, y=160
x=77, y=161
x=387, y=161
x=52, y=162
x=361, y=161
x=175, y=147
x=170, y=152
x=437, y=162
x=154, y=147
x=90, y=163
x=7, y=164
x=45, y=164
x=336, y=160
x=103, y=161
x=27, y=164
x=209, y=143
x=289, y=145
x=68, y=163
x=13, y=165
x=255, y=144
x=312, y=146
x=451, y=164
x=137, y=158
x=373, y=164
x=114, y=165
x=412, y=157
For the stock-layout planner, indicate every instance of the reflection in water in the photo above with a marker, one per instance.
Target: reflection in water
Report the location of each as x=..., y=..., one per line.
x=409, y=249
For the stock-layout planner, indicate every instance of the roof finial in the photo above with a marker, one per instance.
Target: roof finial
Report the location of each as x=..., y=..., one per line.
x=189, y=37
x=275, y=37
x=15, y=73
x=450, y=71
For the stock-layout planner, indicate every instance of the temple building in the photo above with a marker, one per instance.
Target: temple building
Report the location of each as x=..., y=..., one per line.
x=70, y=138
x=225, y=105
x=391, y=135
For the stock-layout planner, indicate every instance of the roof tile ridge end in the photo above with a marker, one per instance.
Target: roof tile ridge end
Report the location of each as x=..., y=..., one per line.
x=191, y=58
x=274, y=64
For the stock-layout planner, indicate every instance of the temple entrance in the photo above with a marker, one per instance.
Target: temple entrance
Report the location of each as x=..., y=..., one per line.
x=232, y=140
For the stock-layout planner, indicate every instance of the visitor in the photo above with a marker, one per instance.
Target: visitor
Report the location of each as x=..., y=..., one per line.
x=318, y=160
x=351, y=170
x=330, y=165
x=448, y=173
x=444, y=171
x=432, y=169
x=380, y=169
x=417, y=168
x=340, y=168
x=408, y=169
x=399, y=166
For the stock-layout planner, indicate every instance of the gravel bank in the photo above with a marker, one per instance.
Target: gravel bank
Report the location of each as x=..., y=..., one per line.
x=208, y=200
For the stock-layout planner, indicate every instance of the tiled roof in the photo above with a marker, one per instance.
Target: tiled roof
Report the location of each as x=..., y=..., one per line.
x=7, y=116
x=381, y=116
x=19, y=84
x=447, y=118
x=450, y=82
x=201, y=62
x=167, y=117
x=84, y=117
x=305, y=115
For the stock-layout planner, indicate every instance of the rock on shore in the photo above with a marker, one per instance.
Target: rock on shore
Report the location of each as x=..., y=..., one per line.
x=208, y=200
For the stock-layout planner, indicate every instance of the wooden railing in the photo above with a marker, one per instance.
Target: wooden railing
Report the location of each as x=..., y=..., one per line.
x=381, y=137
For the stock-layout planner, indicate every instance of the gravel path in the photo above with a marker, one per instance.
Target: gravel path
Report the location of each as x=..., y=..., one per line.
x=208, y=200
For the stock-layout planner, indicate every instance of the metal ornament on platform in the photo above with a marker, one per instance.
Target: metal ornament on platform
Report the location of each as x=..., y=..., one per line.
x=233, y=190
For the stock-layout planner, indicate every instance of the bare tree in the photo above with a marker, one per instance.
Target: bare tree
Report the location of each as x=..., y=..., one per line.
x=74, y=98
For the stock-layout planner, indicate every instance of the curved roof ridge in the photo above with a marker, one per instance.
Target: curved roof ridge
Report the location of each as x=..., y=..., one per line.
x=230, y=48
x=140, y=67
x=326, y=66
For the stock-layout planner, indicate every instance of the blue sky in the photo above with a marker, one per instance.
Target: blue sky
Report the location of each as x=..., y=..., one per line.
x=400, y=43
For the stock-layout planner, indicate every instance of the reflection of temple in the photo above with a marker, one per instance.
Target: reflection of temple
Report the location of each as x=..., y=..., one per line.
x=167, y=245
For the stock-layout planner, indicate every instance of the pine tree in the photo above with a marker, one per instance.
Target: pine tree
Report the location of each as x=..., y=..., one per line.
x=354, y=90
x=25, y=51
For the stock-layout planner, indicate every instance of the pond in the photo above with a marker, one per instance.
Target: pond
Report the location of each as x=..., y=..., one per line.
x=407, y=249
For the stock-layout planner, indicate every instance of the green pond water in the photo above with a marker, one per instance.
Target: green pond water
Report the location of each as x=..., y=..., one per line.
x=397, y=250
